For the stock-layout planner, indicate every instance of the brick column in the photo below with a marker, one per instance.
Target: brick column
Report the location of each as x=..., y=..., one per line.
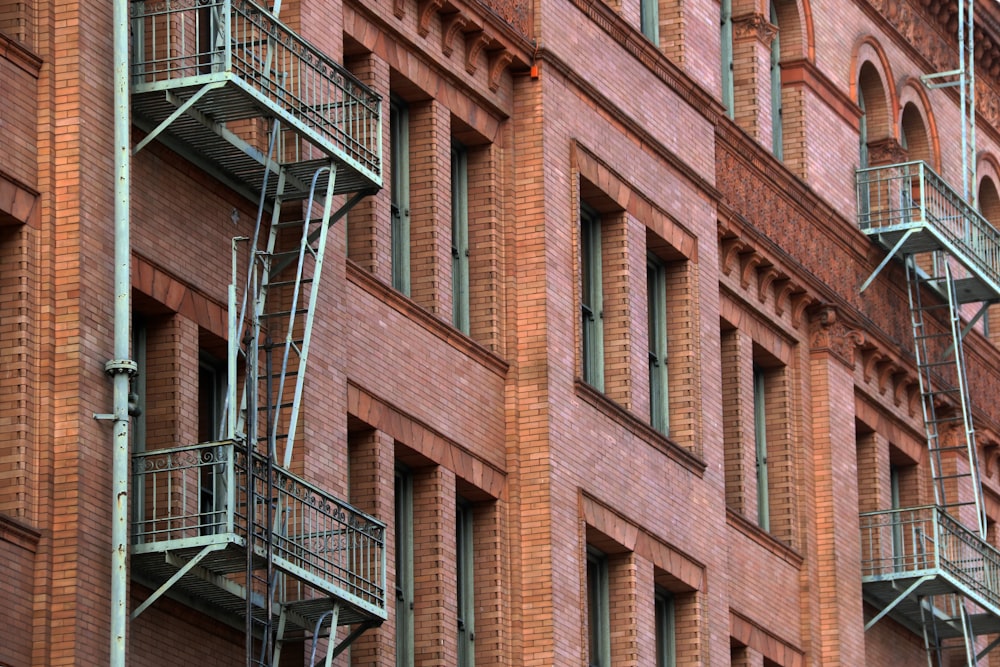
x=840, y=628
x=485, y=245
x=370, y=479
x=738, y=433
x=752, y=36
x=435, y=589
x=622, y=581
x=430, y=207
x=615, y=270
x=368, y=223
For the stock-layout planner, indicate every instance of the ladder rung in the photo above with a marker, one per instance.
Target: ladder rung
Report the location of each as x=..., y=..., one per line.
x=286, y=283
x=960, y=475
x=285, y=313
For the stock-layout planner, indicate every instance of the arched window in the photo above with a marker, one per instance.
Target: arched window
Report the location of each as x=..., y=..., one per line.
x=913, y=134
x=873, y=124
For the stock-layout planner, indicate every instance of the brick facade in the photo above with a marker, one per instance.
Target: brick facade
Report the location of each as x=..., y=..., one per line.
x=715, y=551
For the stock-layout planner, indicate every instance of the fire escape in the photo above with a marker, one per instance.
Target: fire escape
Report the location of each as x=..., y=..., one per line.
x=225, y=526
x=930, y=568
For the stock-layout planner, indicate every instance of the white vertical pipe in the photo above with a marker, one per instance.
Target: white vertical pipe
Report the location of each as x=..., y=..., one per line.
x=121, y=367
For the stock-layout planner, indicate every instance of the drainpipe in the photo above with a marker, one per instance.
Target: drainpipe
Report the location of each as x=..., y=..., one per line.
x=122, y=367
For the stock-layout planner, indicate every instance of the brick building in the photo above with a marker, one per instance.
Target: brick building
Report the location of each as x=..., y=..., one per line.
x=592, y=378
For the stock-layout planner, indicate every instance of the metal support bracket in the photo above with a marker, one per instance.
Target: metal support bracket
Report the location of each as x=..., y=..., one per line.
x=902, y=596
x=175, y=578
x=181, y=109
x=885, y=261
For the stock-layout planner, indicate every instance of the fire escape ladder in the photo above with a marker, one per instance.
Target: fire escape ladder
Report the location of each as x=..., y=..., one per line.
x=941, y=369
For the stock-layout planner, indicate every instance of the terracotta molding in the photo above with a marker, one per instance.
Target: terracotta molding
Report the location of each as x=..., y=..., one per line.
x=499, y=61
x=18, y=202
x=453, y=25
x=830, y=333
x=609, y=181
x=16, y=533
x=178, y=296
x=426, y=10
x=754, y=26
x=19, y=55
x=418, y=436
x=474, y=45
x=634, y=537
x=804, y=73
x=772, y=647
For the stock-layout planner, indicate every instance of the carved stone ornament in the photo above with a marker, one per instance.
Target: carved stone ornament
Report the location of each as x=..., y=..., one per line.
x=831, y=334
x=754, y=26
x=886, y=151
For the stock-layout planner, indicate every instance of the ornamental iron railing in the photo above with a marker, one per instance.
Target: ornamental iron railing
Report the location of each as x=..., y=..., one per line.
x=912, y=542
x=902, y=196
x=197, y=495
x=190, y=43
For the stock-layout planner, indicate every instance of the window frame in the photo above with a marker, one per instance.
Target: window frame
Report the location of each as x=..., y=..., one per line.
x=460, y=236
x=598, y=609
x=665, y=615
x=760, y=446
x=657, y=315
x=649, y=20
x=399, y=193
x=591, y=298
x=465, y=580
x=403, y=516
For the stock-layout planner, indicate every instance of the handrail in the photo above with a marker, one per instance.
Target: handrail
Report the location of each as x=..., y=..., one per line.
x=178, y=43
x=909, y=194
x=197, y=494
x=907, y=542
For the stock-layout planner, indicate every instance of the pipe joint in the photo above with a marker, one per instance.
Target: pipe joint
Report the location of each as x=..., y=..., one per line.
x=119, y=366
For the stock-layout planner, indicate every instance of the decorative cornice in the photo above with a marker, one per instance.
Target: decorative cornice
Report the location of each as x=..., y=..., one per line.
x=829, y=333
x=754, y=26
x=499, y=61
x=426, y=9
x=453, y=25
x=474, y=45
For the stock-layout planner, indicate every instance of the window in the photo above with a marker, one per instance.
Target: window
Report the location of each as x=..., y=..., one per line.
x=649, y=18
x=404, y=567
x=760, y=445
x=211, y=407
x=776, y=119
x=460, y=237
x=592, y=297
x=598, y=614
x=728, y=92
x=656, y=294
x=399, y=139
x=465, y=574
x=666, y=651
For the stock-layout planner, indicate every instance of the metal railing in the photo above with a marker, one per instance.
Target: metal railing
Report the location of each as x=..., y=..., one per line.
x=915, y=541
x=911, y=194
x=196, y=495
x=179, y=43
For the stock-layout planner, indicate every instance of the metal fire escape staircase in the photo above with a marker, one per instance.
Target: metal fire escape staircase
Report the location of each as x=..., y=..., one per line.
x=225, y=526
x=930, y=568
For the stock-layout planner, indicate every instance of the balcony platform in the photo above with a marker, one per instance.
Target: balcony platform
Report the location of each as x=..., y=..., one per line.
x=922, y=557
x=191, y=524
x=207, y=77
x=908, y=209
